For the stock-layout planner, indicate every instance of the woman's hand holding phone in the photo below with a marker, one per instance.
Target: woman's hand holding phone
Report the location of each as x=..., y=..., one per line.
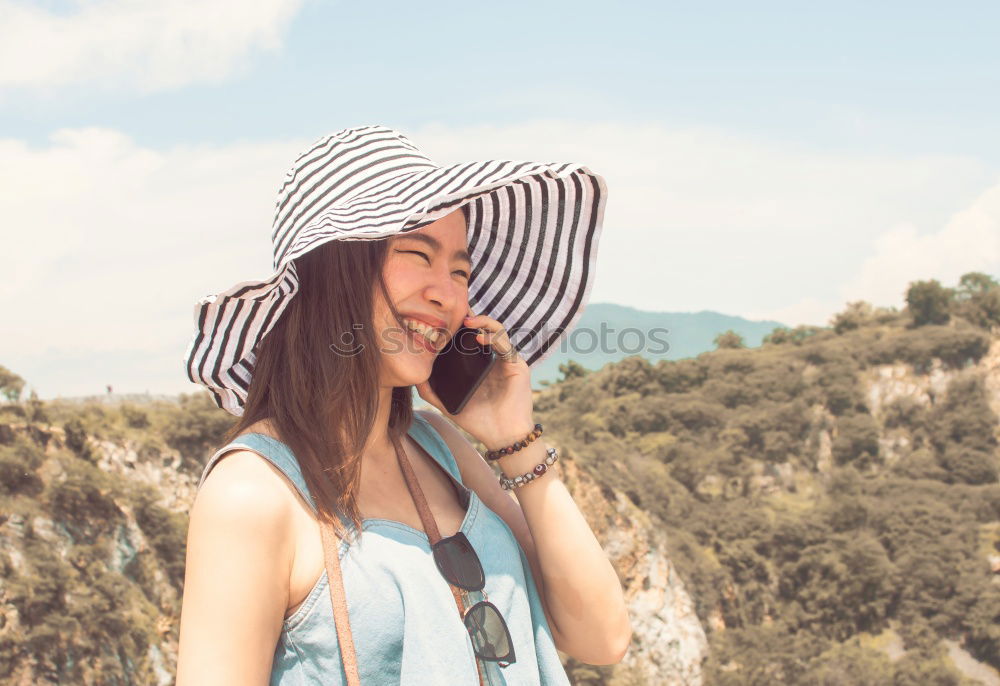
x=501, y=408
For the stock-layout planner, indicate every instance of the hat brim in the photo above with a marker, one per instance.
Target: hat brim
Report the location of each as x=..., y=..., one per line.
x=533, y=235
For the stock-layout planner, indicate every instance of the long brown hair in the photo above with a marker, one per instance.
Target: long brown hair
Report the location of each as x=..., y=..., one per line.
x=322, y=403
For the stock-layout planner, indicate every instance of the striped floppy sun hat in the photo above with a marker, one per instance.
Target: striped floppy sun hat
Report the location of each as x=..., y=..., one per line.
x=533, y=233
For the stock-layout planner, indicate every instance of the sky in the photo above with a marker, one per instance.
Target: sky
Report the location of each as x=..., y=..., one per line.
x=772, y=160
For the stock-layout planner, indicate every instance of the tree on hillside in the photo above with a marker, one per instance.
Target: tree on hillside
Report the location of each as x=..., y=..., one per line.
x=977, y=299
x=572, y=370
x=797, y=336
x=963, y=429
x=855, y=315
x=35, y=410
x=11, y=385
x=196, y=426
x=729, y=339
x=928, y=302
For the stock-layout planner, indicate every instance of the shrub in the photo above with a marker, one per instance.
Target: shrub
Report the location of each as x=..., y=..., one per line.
x=982, y=624
x=731, y=393
x=648, y=415
x=632, y=374
x=959, y=347
x=956, y=347
x=798, y=335
x=850, y=664
x=196, y=426
x=840, y=388
x=921, y=464
x=695, y=414
x=24, y=451
x=777, y=379
x=842, y=586
x=11, y=385
x=40, y=591
x=964, y=416
x=904, y=412
x=76, y=439
x=918, y=669
x=977, y=300
x=17, y=478
x=970, y=465
x=928, y=302
x=857, y=440
x=166, y=532
x=680, y=376
x=84, y=500
x=761, y=656
x=135, y=417
x=688, y=464
x=856, y=315
x=729, y=339
x=771, y=431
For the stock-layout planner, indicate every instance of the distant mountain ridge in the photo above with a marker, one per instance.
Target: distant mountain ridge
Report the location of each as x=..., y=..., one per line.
x=632, y=331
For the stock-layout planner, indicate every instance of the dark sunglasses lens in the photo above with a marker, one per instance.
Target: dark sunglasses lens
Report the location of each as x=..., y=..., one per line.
x=490, y=637
x=458, y=562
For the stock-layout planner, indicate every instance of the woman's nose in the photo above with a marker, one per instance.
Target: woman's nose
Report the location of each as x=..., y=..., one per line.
x=447, y=290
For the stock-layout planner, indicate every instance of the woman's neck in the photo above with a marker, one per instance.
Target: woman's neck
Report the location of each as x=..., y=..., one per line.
x=378, y=443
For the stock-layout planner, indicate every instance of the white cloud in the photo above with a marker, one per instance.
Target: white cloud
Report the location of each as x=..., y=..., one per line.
x=116, y=241
x=704, y=219
x=145, y=44
x=970, y=241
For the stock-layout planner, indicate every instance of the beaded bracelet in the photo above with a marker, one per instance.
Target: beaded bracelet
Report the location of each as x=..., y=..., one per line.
x=540, y=469
x=517, y=445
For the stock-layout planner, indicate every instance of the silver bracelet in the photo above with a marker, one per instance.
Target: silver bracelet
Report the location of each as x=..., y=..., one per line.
x=540, y=469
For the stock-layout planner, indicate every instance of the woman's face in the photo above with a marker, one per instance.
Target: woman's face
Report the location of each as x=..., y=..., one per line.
x=427, y=276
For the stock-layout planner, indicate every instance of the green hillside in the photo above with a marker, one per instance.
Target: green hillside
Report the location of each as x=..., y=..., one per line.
x=830, y=501
x=609, y=333
x=822, y=493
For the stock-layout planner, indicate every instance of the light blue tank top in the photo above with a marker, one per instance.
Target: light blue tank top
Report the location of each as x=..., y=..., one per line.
x=403, y=617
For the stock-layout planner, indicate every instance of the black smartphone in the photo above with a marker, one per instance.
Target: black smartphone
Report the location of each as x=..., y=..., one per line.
x=459, y=369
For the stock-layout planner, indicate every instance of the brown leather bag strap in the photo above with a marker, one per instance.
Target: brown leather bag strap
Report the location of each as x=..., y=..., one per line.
x=336, y=583
x=430, y=526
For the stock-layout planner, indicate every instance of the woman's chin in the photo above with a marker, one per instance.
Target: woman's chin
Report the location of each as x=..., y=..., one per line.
x=416, y=371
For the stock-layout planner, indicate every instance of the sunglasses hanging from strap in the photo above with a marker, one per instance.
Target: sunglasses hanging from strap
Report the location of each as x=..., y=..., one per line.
x=333, y=573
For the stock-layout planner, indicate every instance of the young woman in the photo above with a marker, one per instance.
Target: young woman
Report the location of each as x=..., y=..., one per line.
x=387, y=255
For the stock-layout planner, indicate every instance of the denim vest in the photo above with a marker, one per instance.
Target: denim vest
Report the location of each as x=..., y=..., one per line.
x=405, y=625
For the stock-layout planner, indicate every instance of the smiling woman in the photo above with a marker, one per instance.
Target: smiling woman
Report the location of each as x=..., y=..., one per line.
x=438, y=576
x=444, y=261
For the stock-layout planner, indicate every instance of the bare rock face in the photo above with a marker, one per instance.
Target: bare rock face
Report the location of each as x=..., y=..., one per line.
x=990, y=364
x=887, y=383
x=668, y=641
x=892, y=381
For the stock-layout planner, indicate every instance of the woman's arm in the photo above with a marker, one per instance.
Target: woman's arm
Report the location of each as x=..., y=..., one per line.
x=236, y=576
x=580, y=591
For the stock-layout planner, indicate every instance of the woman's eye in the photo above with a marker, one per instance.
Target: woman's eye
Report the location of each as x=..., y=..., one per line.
x=416, y=252
x=426, y=257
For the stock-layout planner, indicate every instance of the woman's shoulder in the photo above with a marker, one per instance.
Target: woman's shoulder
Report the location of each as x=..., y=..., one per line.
x=242, y=478
x=239, y=528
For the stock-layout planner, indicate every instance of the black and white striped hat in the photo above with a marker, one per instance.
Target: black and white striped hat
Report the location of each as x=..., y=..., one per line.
x=533, y=235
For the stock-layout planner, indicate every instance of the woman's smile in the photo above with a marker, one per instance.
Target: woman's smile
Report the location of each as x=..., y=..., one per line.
x=422, y=341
